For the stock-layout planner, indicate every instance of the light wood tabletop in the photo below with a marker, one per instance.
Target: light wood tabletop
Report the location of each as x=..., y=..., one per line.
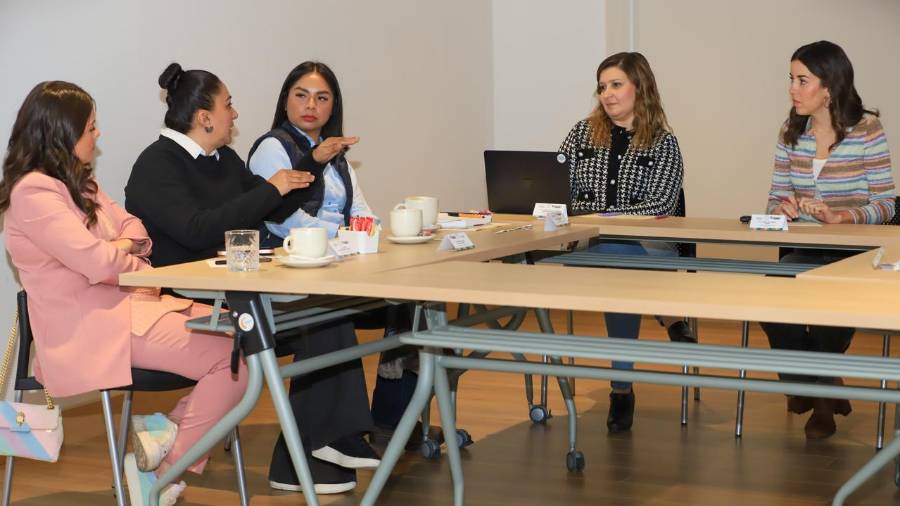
x=739, y=297
x=732, y=230
x=274, y=277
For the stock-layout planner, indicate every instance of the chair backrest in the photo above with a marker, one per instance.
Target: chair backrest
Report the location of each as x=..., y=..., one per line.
x=685, y=249
x=896, y=219
x=23, y=380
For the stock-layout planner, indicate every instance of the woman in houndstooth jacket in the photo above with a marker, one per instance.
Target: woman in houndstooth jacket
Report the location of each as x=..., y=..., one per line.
x=623, y=159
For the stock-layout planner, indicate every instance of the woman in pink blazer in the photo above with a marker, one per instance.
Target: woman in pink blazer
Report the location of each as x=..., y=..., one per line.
x=69, y=242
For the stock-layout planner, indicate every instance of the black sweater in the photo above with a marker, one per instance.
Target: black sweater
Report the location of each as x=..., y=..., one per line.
x=187, y=204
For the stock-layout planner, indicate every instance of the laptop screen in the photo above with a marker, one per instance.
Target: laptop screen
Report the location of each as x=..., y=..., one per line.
x=516, y=180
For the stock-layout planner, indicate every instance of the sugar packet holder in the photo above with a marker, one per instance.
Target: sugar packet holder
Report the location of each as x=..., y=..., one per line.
x=362, y=242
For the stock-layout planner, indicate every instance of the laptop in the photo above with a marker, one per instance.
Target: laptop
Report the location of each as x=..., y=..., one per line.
x=516, y=180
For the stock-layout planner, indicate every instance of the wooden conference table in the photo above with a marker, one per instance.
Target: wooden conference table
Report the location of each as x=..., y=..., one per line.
x=401, y=272
x=247, y=297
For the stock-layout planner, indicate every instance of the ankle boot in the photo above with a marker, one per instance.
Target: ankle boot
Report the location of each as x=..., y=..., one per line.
x=621, y=412
x=821, y=424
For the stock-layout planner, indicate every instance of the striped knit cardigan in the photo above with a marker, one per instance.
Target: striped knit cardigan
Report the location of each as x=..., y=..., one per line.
x=856, y=178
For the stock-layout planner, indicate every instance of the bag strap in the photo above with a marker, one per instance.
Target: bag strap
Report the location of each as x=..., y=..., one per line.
x=10, y=346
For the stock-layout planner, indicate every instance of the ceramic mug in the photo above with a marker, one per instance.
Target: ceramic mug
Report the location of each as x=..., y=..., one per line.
x=309, y=242
x=429, y=207
x=406, y=222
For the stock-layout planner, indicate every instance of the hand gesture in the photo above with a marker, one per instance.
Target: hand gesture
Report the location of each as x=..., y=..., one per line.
x=331, y=147
x=286, y=180
x=788, y=207
x=819, y=210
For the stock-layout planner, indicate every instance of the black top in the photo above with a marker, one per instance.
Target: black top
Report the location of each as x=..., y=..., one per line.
x=622, y=178
x=187, y=204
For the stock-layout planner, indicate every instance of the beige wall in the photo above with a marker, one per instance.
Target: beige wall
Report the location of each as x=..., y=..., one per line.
x=722, y=67
x=416, y=78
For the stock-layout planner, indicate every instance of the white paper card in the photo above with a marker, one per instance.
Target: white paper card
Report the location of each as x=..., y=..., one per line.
x=541, y=209
x=456, y=242
x=341, y=248
x=768, y=222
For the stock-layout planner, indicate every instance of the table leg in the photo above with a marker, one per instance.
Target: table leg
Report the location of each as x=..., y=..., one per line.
x=218, y=431
x=288, y=425
x=421, y=396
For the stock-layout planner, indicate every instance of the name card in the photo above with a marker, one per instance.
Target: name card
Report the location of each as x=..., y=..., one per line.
x=341, y=248
x=554, y=220
x=768, y=222
x=542, y=209
x=456, y=242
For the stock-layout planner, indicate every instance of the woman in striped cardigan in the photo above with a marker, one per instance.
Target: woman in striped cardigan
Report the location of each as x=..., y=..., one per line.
x=832, y=165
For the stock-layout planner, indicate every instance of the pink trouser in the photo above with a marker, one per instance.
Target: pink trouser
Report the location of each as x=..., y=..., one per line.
x=204, y=357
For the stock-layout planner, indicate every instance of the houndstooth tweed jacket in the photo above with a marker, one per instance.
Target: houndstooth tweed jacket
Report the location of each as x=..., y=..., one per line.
x=648, y=181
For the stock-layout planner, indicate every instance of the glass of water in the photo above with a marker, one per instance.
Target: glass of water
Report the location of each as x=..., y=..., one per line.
x=242, y=250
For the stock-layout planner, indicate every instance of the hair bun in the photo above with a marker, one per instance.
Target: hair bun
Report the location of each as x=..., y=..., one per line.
x=170, y=77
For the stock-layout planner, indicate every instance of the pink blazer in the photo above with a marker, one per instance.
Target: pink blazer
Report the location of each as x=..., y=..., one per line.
x=81, y=319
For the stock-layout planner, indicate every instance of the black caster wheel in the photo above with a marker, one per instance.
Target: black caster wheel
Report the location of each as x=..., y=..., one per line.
x=463, y=438
x=538, y=414
x=431, y=449
x=575, y=461
x=897, y=472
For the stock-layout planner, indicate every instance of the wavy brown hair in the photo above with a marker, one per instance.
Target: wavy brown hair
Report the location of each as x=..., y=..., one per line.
x=49, y=124
x=827, y=61
x=649, y=118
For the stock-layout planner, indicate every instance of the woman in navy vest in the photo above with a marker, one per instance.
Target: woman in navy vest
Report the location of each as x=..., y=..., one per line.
x=307, y=134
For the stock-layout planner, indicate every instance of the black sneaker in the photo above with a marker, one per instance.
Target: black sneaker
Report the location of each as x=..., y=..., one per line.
x=327, y=477
x=621, y=412
x=680, y=332
x=352, y=452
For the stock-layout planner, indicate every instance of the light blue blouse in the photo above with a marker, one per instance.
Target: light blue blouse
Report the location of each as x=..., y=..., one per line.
x=270, y=157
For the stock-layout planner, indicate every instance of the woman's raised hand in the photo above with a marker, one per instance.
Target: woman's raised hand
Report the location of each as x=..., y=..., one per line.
x=331, y=147
x=286, y=180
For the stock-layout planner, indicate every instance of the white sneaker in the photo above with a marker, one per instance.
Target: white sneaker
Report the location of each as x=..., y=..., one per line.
x=152, y=437
x=140, y=483
x=319, y=488
x=352, y=452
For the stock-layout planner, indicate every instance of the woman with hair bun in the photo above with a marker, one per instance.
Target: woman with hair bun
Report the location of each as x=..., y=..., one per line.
x=832, y=165
x=189, y=186
x=69, y=242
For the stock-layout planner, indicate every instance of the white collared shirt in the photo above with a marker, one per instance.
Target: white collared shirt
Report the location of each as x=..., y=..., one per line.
x=187, y=143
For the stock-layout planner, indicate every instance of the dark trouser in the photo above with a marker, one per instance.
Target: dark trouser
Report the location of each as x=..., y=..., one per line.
x=328, y=404
x=784, y=336
x=391, y=396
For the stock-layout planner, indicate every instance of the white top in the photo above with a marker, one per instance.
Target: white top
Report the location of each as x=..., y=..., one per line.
x=187, y=143
x=817, y=165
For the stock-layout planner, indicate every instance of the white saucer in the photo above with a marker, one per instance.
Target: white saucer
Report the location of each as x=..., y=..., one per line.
x=416, y=239
x=304, y=262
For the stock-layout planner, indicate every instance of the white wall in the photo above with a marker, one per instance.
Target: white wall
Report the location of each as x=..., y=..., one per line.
x=416, y=78
x=545, y=57
x=722, y=68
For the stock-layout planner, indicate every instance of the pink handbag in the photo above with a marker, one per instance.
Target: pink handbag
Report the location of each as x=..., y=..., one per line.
x=34, y=431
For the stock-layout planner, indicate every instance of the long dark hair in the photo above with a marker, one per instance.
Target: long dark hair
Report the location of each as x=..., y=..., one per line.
x=48, y=126
x=334, y=127
x=649, y=117
x=827, y=61
x=186, y=92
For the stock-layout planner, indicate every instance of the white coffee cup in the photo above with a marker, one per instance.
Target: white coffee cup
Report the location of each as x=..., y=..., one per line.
x=406, y=222
x=309, y=242
x=429, y=207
